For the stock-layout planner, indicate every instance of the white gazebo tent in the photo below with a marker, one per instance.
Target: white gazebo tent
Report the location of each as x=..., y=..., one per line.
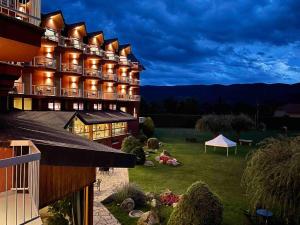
x=221, y=141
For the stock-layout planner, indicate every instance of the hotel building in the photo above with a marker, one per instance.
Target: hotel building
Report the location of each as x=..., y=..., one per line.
x=67, y=100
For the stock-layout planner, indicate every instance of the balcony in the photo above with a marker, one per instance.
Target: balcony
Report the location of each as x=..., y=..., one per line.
x=122, y=97
x=51, y=35
x=19, y=183
x=93, y=50
x=92, y=73
x=44, y=90
x=125, y=80
x=134, y=97
x=15, y=8
x=44, y=62
x=71, y=43
x=110, y=77
x=124, y=62
x=92, y=94
x=109, y=96
x=18, y=88
x=71, y=68
x=71, y=92
x=135, y=65
x=111, y=56
x=134, y=82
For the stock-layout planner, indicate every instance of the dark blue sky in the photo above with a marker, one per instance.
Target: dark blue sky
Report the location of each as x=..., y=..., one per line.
x=199, y=41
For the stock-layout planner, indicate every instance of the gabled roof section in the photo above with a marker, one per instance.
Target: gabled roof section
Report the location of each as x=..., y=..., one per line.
x=70, y=27
x=111, y=43
x=132, y=58
x=95, y=38
x=56, y=14
x=126, y=48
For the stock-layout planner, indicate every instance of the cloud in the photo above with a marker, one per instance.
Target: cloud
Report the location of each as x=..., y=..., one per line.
x=200, y=41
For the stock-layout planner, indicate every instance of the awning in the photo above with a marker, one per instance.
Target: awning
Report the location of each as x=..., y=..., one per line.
x=57, y=145
x=221, y=141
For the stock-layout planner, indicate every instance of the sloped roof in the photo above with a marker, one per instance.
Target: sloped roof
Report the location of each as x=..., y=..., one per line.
x=221, y=141
x=57, y=145
x=132, y=58
x=290, y=108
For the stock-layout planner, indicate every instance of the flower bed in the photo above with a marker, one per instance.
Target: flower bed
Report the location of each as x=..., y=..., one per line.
x=169, y=198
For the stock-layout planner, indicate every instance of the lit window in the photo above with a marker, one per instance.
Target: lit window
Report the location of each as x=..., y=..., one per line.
x=79, y=128
x=119, y=128
x=54, y=106
x=98, y=106
x=78, y=106
x=123, y=109
x=27, y=104
x=18, y=103
x=112, y=106
x=101, y=131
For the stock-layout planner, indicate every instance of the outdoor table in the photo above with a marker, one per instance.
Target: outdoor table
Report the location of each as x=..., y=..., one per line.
x=266, y=214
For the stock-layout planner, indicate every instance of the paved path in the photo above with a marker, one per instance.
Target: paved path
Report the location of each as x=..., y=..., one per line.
x=109, y=183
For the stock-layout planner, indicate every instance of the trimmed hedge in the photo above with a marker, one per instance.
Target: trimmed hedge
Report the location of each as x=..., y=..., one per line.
x=140, y=155
x=130, y=143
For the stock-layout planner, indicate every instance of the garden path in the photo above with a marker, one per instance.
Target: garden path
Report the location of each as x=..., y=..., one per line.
x=110, y=181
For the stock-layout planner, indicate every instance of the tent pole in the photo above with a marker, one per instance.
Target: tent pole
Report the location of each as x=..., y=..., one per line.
x=227, y=151
x=205, y=148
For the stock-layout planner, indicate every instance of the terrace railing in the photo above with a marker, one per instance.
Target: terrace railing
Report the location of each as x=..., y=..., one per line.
x=92, y=94
x=51, y=35
x=110, y=77
x=134, y=97
x=45, y=90
x=73, y=68
x=92, y=73
x=71, y=92
x=123, y=80
x=93, y=50
x=30, y=13
x=122, y=97
x=134, y=82
x=109, y=96
x=19, y=183
x=45, y=62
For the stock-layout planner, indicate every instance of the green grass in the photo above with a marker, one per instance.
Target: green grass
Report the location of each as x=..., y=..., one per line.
x=222, y=174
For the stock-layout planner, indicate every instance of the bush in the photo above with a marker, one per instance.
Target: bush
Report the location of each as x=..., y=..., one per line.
x=142, y=138
x=198, y=206
x=130, y=190
x=215, y=124
x=130, y=143
x=140, y=155
x=153, y=143
x=57, y=219
x=148, y=127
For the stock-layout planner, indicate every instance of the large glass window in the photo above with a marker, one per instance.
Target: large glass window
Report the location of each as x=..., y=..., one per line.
x=101, y=131
x=119, y=128
x=56, y=106
x=27, y=104
x=18, y=103
x=80, y=128
x=23, y=104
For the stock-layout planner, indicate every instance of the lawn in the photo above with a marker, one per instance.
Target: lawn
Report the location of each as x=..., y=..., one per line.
x=222, y=174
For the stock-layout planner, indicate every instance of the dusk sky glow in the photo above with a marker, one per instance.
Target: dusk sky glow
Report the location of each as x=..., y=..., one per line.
x=199, y=41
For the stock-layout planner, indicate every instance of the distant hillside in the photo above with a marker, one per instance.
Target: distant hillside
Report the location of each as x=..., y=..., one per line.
x=246, y=93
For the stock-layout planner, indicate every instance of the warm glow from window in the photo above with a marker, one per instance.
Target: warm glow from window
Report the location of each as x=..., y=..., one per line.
x=18, y=103
x=119, y=128
x=27, y=104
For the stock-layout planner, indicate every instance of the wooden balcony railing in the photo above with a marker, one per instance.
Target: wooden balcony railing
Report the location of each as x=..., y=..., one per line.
x=18, y=88
x=45, y=62
x=92, y=73
x=92, y=94
x=19, y=189
x=29, y=13
x=51, y=35
x=134, y=82
x=70, y=43
x=109, y=96
x=45, y=90
x=71, y=92
x=123, y=80
x=110, y=77
x=93, y=50
x=134, y=97
x=124, y=62
x=111, y=56
x=72, y=68
x=122, y=97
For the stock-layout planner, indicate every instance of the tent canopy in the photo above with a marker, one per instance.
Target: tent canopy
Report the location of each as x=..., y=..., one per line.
x=221, y=141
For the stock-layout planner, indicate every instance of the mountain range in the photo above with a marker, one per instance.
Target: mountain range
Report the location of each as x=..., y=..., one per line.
x=247, y=93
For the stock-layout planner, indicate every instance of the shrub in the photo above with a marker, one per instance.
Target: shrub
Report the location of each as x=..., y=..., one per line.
x=130, y=190
x=60, y=211
x=241, y=123
x=57, y=219
x=140, y=155
x=148, y=127
x=153, y=143
x=272, y=177
x=142, y=138
x=130, y=143
x=198, y=206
